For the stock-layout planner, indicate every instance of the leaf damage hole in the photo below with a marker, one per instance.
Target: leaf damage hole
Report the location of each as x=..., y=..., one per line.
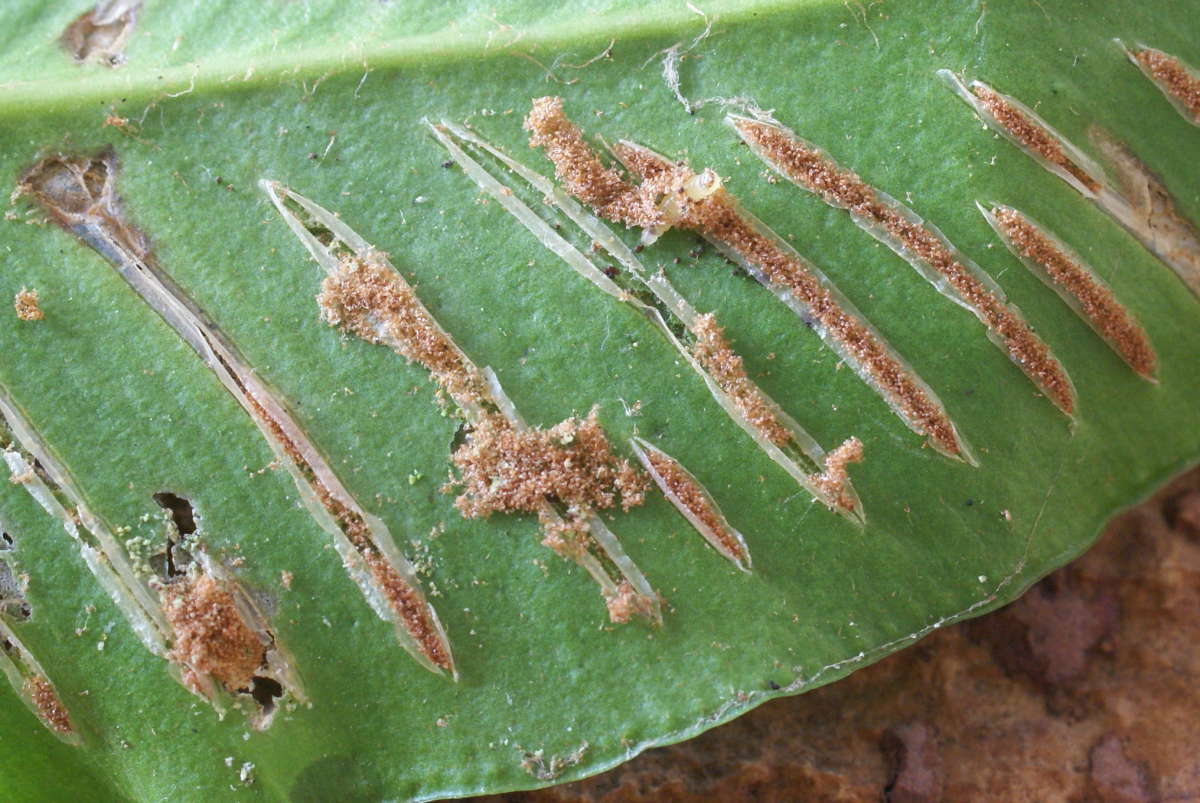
x=78, y=191
x=917, y=242
x=220, y=639
x=672, y=195
x=266, y=692
x=1077, y=284
x=101, y=34
x=180, y=509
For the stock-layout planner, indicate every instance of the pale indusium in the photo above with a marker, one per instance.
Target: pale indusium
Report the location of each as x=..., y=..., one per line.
x=79, y=193
x=25, y=674
x=31, y=684
x=1179, y=82
x=916, y=241
x=506, y=466
x=671, y=195
x=1078, y=285
x=707, y=353
x=1139, y=201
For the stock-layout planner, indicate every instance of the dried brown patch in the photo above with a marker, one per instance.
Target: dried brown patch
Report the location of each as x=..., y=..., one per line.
x=809, y=168
x=49, y=706
x=712, y=351
x=504, y=470
x=100, y=35
x=211, y=637
x=691, y=495
x=582, y=173
x=26, y=304
x=1153, y=215
x=367, y=298
x=79, y=189
x=1096, y=302
x=1174, y=78
x=1030, y=134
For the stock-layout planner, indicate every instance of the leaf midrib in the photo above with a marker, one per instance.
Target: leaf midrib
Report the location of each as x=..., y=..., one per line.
x=241, y=70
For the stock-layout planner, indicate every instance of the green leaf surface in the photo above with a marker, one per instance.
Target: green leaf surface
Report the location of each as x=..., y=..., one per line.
x=327, y=96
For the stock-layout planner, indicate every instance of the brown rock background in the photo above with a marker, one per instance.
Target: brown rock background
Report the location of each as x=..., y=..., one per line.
x=1085, y=689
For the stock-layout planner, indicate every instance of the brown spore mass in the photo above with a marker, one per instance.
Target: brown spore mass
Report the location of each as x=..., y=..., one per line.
x=505, y=470
x=1030, y=134
x=838, y=187
x=502, y=469
x=1096, y=302
x=834, y=481
x=716, y=215
x=403, y=599
x=1169, y=73
x=26, y=304
x=692, y=496
x=48, y=705
x=712, y=351
x=581, y=171
x=368, y=299
x=211, y=637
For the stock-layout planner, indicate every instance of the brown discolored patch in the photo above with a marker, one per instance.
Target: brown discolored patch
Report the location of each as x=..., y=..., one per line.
x=1176, y=80
x=211, y=637
x=684, y=487
x=834, y=481
x=1030, y=134
x=367, y=298
x=504, y=470
x=26, y=304
x=811, y=169
x=712, y=351
x=100, y=34
x=1096, y=302
x=1152, y=214
x=49, y=706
